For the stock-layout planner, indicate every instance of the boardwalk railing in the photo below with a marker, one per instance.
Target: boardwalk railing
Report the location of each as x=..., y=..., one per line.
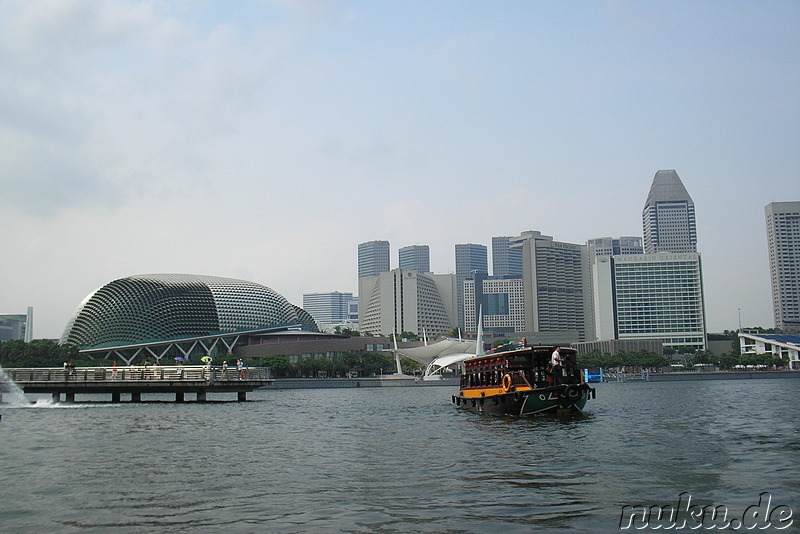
x=173, y=373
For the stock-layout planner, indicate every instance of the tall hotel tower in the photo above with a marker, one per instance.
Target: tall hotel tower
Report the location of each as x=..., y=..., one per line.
x=668, y=216
x=415, y=258
x=783, y=239
x=373, y=258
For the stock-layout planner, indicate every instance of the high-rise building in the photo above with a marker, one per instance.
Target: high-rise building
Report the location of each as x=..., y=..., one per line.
x=668, y=216
x=650, y=296
x=502, y=306
x=558, y=287
x=471, y=262
x=783, y=240
x=17, y=326
x=506, y=261
x=407, y=301
x=373, y=258
x=329, y=309
x=611, y=246
x=415, y=258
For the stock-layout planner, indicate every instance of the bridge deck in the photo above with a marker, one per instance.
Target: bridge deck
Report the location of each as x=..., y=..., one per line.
x=135, y=380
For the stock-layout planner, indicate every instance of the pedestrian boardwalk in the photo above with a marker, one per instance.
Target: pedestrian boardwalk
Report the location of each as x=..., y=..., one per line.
x=135, y=380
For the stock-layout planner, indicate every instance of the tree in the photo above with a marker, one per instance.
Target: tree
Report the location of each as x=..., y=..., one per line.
x=344, y=331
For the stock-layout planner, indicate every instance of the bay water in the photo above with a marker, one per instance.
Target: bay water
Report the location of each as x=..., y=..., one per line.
x=400, y=459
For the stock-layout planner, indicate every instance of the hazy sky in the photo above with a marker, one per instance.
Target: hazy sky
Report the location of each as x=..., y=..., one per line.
x=264, y=140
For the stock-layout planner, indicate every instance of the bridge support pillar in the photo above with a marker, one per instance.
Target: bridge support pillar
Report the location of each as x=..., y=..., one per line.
x=136, y=397
x=115, y=397
x=242, y=396
x=201, y=396
x=69, y=397
x=56, y=397
x=179, y=396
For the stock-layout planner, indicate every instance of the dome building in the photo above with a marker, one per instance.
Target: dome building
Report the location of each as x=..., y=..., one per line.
x=153, y=308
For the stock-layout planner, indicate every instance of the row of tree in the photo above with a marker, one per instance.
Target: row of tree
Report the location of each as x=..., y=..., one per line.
x=37, y=353
x=689, y=358
x=349, y=365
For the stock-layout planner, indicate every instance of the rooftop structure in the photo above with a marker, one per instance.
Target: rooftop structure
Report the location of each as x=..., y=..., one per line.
x=668, y=216
x=158, y=307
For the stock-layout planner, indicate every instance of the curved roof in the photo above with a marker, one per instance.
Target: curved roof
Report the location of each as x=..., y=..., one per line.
x=154, y=307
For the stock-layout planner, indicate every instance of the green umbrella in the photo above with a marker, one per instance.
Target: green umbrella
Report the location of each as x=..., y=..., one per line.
x=205, y=359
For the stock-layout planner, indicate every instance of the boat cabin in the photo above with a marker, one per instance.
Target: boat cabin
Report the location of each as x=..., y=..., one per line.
x=528, y=368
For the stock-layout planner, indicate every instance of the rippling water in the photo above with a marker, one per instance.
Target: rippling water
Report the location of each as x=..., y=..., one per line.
x=393, y=460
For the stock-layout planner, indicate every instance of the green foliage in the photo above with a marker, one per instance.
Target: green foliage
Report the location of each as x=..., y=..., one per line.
x=37, y=353
x=641, y=358
x=344, y=331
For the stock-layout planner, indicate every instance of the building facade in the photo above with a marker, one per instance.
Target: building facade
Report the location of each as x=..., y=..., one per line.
x=373, y=258
x=506, y=261
x=668, y=216
x=407, y=301
x=415, y=258
x=783, y=241
x=650, y=296
x=15, y=326
x=610, y=246
x=784, y=346
x=502, y=305
x=471, y=262
x=558, y=286
x=329, y=309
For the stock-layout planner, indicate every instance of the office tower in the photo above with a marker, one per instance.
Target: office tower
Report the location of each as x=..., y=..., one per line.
x=506, y=261
x=668, y=216
x=17, y=326
x=373, y=258
x=407, y=301
x=502, y=306
x=783, y=240
x=611, y=246
x=415, y=258
x=471, y=262
x=328, y=308
x=650, y=296
x=558, y=287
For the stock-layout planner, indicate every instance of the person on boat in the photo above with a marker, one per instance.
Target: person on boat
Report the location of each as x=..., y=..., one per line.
x=555, y=365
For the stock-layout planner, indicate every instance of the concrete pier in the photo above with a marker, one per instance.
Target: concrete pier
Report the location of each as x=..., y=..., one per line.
x=138, y=380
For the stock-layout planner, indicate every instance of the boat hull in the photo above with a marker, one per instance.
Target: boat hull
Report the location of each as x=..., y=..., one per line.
x=556, y=400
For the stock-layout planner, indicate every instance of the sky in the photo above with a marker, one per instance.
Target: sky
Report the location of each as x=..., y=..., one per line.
x=263, y=140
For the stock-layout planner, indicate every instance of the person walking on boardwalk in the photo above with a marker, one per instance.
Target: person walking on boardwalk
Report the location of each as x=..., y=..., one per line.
x=240, y=368
x=225, y=370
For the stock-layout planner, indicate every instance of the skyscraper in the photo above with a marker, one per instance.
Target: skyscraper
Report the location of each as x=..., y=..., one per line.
x=783, y=240
x=668, y=216
x=506, y=261
x=415, y=258
x=328, y=308
x=558, y=288
x=471, y=262
x=373, y=258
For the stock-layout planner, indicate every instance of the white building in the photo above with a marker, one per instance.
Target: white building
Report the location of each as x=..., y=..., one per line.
x=783, y=240
x=650, y=296
x=558, y=286
x=778, y=345
x=407, y=301
x=471, y=261
x=502, y=306
x=610, y=246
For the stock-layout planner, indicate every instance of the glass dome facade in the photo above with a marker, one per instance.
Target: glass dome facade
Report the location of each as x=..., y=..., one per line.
x=157, y=307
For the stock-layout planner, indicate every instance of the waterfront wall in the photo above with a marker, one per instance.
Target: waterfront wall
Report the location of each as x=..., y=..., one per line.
x=736, y=375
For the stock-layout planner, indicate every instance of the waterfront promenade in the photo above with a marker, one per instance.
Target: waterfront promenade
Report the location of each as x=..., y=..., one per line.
x=137, y=380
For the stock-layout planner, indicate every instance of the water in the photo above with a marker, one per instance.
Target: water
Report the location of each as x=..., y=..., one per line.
x=393, y=460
